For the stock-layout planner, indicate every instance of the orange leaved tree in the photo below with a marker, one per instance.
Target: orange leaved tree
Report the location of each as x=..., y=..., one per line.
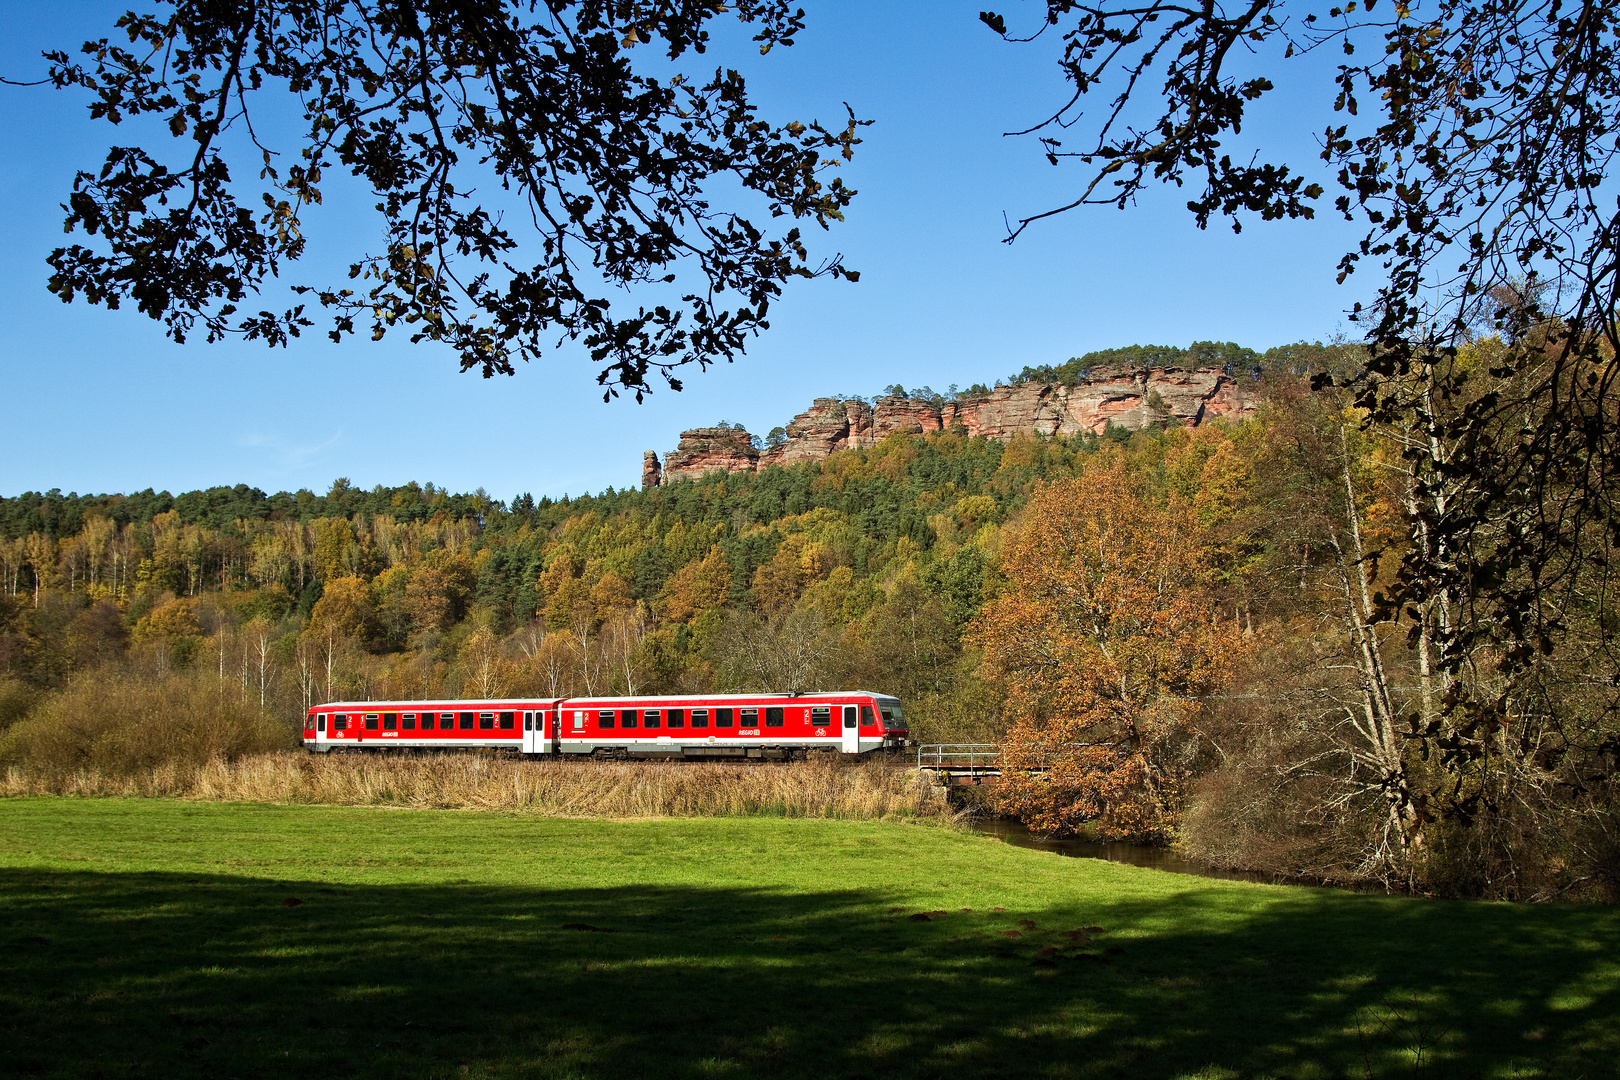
x=1107, y=637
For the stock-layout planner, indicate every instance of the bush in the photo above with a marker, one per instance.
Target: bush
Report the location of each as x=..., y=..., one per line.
x=119, y=722
x=1257, y=812
x=16, y=699
x=1284, y=797
x=1597, y=840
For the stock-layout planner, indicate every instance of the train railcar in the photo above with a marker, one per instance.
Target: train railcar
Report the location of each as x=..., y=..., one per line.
x=770, y=727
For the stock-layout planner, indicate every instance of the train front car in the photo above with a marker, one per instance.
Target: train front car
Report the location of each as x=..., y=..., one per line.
x=766, y=727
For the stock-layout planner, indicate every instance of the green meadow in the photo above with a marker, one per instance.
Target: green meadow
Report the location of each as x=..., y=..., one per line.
x=154, y=938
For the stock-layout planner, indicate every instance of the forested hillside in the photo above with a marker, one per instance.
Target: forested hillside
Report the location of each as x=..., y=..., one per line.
x=1185, y=626
x=880, y=557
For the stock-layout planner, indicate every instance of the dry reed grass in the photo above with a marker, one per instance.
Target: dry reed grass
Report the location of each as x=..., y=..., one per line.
x=872, y=791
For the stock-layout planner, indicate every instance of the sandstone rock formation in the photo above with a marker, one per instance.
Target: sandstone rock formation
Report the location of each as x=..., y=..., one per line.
x=651, y=474
x=711, y=449
x=1128, y=398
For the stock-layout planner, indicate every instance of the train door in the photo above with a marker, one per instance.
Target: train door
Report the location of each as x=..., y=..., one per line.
x=537, y=733
x=852, y=731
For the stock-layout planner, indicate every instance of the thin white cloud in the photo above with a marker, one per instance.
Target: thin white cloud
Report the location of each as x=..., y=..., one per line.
x=286, y=453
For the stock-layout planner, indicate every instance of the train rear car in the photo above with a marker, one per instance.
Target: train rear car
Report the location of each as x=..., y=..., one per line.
x=462, y=724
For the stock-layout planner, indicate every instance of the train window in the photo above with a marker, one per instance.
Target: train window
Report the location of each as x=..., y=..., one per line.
x=464, y=721
x=650, y=718
x=340, y=722
x=579, y=721
x=722, y=717
x=508, y=721
x=749, y=718
x=408, y=721
x=700, y=717
x=773, y=716
x=528, y=721
x=821, y=716
x=320, y=722
x=627, y=718
x=486, y=720
x=849, y=716
x=677, y=718
x=427, y=721
x=371, y=721
x=390, y=721
x=867, y=719
x=604, y=718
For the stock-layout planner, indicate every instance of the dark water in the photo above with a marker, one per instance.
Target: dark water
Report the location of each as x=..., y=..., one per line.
x=1157, y=858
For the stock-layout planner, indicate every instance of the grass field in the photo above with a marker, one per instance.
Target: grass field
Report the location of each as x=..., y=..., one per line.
x=158, y=938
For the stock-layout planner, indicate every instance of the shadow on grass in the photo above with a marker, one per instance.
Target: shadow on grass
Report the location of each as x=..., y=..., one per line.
x=173, y=975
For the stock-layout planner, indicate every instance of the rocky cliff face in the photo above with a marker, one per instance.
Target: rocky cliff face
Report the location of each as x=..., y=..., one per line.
x=1126, y=398
x=706, y=450
x=1129, y=399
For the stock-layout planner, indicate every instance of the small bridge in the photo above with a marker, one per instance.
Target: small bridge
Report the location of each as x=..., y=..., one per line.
x=977, y=764
x=961, y=764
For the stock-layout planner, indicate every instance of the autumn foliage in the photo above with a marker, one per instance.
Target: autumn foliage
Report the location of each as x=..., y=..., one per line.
x=1076, y=599
x=1107, y=639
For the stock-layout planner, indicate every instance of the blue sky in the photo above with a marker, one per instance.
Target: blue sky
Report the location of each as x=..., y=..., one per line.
x=101, y=401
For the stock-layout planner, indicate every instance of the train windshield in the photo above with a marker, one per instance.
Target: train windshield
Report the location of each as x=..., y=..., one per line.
x=893, y=718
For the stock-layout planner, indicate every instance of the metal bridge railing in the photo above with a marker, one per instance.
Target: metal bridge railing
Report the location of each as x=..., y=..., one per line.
x=957, y=755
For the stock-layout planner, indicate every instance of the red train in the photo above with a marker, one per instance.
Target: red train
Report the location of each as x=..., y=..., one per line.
x=771, y=727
